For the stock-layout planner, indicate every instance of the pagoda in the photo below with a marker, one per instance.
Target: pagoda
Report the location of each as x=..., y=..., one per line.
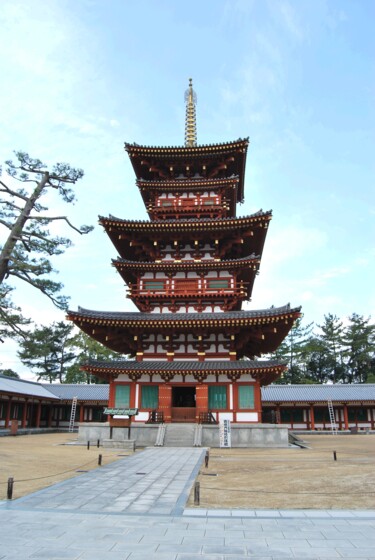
x=195, y=354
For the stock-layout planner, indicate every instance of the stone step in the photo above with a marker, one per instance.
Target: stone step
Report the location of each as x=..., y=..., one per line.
x=179, y=435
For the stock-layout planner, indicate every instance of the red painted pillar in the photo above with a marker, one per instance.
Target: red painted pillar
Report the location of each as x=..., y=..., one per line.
x=24, y=414
x=50, y=415
x=38, y=415
x=258, y=401
x=81, y=413
x=312, y=417
x=346, y=418
x=165, y=401
x=201, y=401
x=7, y=414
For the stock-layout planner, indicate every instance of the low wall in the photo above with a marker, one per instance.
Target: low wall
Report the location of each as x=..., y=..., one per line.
x=144, y=435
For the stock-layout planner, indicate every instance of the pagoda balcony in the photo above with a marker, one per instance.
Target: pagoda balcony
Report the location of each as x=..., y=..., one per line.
x=213, y=207
x=188, y=289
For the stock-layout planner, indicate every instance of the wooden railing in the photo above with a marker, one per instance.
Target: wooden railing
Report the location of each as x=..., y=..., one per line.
x=188, y=289
x=183, y=414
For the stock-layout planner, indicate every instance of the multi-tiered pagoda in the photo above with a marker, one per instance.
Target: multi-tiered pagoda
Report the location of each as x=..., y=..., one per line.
x=194, y=352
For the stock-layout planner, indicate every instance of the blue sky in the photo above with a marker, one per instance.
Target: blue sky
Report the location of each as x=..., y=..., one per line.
x=297, y=77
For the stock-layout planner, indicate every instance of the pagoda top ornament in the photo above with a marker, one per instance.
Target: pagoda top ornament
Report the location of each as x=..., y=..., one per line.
x=190, y=121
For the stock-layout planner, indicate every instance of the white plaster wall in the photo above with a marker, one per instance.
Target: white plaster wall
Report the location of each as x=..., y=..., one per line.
x=247, y=416
x=225, y=416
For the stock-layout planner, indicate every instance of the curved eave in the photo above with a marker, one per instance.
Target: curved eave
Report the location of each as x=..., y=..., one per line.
x=185, y=226
x=256, y=332
x=263, y=371
x=187, y=151
x=183, y=184
x=135, y=239
x=130, y=270
x=143, y=158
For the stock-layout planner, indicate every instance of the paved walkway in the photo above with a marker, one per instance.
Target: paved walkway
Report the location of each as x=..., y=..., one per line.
x=134, y=510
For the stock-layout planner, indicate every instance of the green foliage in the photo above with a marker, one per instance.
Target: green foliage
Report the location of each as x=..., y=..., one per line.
x=334, y=354
x=29, y=243
x=87, y=349
x=359, y=344
x=48, y=351
x=9, y=373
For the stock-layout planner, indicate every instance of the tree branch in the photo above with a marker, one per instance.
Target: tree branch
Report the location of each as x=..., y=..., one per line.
x=11, y=192
x=51, y=219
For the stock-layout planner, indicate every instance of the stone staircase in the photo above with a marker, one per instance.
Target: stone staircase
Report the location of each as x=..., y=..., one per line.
x=179, y=435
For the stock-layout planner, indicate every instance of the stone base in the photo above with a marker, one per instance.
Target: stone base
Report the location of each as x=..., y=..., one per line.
x=118, y=444
x=144, y=435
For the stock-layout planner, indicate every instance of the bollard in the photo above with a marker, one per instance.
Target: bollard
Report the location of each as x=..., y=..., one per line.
x=88, y=445
x=197, y=494
x=10, y=488
x=100, y=460
x=206, y=459
x=98, y=443
x=334, y=456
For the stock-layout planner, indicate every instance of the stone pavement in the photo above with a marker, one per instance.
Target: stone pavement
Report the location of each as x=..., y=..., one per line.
x=134, y=510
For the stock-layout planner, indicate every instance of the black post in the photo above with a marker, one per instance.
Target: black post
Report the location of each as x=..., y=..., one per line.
x=88, y=445
x=98, y=443
x=206, y=459
x=197, y=493
x=10, y=488
x=334, y=456
x=100, y=460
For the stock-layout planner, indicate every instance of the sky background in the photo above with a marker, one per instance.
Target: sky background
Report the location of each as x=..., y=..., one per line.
x=79, y=78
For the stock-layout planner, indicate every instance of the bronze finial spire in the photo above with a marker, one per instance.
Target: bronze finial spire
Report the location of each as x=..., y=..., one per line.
x=190, y=121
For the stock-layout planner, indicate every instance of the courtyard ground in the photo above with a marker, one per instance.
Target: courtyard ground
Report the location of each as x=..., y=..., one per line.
x=37, y=461
x=290, y=478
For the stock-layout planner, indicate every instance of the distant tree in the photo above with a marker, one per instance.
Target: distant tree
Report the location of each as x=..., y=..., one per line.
x=318, y=363
x=9, y=373
x=291, y=351
x=332, y=339
x=29, y=243
x=87, y=349
x=359, y=343
x=48, y=352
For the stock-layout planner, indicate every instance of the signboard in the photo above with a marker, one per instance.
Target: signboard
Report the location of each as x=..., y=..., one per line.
x=225, y=435
x=121, y=411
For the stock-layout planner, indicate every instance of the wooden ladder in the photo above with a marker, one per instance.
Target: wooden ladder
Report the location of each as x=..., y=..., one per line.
x=332, y=418
x=73, y=414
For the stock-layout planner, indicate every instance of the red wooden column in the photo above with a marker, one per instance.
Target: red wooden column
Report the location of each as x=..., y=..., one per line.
x=7, y=414
x=38, y=415
x=201, y=399
x=24, y=414
x=133, y=386
x=346, y=419
x=372, y=418
x=258, y=401
x=312, y=417
x=81, y=412
x=50, y=415
x=165, y=401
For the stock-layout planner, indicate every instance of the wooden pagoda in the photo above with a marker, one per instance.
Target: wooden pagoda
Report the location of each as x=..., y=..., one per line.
x=194, y=353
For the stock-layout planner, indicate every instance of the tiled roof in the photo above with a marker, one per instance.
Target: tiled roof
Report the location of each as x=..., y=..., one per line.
x=178, y=317
x=21, y=387
x=201, y=224
x=185, y=366
x=191, y=183
x=94, y=392
x=191, y=264
x=200, y=149
x=319, y=393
